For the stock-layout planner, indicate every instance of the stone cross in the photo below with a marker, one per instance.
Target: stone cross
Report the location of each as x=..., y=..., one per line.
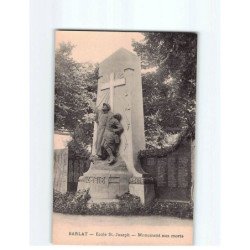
x=110, y=85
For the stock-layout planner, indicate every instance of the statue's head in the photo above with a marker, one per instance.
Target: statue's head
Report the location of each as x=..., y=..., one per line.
x=105, y=107
x=118, y=116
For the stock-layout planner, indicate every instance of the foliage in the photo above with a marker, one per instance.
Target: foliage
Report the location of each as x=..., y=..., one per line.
x=161, y=152
x=75, y=88
x=127, y=205
x=75, y=95
x=130, y=204
x=110, y=208
x=79, y=146
x=156, y=152
x=169, y=88
x=174, y=209
x=70, y=203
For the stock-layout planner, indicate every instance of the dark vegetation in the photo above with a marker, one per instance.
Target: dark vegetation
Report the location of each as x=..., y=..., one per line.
x=76, y=203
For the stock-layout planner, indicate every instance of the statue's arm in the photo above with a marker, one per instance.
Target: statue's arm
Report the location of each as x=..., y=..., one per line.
x=96, y=111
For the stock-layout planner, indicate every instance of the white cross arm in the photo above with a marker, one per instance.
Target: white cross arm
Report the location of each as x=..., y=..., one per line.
x=105, y=85
x=117, y=82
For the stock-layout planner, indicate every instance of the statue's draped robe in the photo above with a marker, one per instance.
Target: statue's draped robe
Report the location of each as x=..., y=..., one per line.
x=101, y=120
x=111, y=137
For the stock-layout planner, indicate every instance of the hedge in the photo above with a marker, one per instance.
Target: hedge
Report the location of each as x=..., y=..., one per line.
x=127, y=204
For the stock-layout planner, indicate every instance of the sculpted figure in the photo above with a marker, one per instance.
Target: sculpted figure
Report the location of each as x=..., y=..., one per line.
x=102, y=117
x=111, y=137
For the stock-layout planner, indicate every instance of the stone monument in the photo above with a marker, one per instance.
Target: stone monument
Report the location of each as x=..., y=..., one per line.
x=120, y=86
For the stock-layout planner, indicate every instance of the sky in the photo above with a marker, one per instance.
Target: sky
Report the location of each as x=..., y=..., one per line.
x=95, y=46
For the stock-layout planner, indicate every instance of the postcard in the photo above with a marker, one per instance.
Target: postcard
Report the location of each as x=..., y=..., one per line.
x=124, y=137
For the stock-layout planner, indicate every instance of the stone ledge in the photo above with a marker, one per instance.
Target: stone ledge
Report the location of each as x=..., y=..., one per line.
x=101, y=201
x=141, y=180
x=103, y=165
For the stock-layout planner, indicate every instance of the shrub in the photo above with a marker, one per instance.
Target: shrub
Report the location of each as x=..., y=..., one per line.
x=71, y=203
x=127, y=204
x=110, y=208
x=175, y=209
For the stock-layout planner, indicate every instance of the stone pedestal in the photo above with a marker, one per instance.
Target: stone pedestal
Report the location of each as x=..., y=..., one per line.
x=105, y=181
x=142, y=187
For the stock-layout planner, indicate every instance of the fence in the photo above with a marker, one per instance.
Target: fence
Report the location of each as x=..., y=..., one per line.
x=60, y=170
x=76, y=168
x=172, y=173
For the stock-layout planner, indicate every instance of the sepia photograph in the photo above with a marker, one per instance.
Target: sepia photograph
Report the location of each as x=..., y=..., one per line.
x=124, y=137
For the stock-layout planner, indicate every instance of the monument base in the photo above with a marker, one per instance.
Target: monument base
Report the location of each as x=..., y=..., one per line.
x=105, y=182
x=142, y=187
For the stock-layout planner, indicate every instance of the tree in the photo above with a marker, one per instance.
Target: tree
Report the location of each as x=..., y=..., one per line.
x=75, y=95
x=75, y=88
x=169, y=88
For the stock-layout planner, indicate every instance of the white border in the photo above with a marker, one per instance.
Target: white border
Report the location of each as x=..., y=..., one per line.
x=182, y=15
